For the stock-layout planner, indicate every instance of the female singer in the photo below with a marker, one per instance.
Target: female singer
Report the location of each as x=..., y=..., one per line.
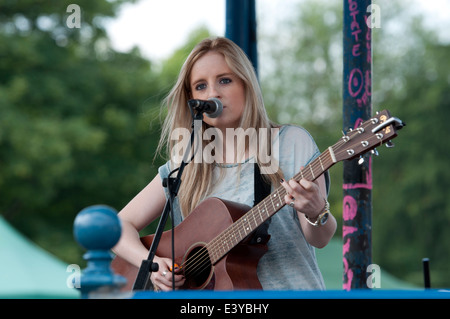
x=218, y=68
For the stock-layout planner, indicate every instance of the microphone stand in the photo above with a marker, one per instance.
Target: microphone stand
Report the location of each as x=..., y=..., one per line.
x=142, y=281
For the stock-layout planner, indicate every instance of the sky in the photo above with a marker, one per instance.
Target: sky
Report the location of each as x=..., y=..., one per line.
x=159, y=27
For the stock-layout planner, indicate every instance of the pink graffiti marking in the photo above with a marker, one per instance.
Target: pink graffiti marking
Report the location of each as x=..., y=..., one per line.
x=358, y=123
x=347, y=271
x=350, y=210
x=355, y=80
x=367, y=90
x=350, y=207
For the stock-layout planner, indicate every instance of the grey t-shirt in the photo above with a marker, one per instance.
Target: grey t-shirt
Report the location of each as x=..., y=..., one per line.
x=290, y=262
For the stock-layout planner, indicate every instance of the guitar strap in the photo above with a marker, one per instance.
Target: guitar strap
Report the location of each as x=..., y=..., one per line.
x=262, y=190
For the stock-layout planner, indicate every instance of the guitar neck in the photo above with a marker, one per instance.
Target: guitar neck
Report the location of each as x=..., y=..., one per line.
x=269, y=206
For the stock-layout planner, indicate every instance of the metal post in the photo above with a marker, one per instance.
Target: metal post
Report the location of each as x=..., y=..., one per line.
x=357, y=107
x=241, y=27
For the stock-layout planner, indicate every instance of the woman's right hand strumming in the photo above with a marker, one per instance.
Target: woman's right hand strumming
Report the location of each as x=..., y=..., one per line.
x=162, y=279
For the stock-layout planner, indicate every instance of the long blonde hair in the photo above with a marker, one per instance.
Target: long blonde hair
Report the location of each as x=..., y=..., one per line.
x=179, y=116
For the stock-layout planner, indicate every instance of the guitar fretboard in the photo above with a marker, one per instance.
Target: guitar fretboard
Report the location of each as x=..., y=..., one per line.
x=235, y=233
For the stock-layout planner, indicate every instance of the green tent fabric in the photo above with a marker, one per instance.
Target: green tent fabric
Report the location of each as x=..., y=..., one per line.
x=332, y=268
x=28, y=271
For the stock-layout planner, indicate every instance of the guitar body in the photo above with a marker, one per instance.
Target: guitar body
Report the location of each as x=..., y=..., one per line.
x=235, y=271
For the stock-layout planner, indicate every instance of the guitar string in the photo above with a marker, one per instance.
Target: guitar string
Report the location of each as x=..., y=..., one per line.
x=204, y=252
x=218, y=241
x=319, y=164
x=201, y=259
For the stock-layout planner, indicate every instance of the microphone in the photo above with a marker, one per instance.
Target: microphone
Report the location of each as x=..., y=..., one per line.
x=212, y=107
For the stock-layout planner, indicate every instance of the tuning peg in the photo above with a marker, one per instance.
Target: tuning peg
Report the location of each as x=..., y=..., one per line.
x=345, y=138
x=361, y=160
x=374, y=152
x=389, y=144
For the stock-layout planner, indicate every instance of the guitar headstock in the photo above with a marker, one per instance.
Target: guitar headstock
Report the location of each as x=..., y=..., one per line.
x=372, y=133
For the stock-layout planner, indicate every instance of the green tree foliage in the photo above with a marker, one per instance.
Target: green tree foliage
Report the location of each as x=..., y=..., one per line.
x=303, y=83
x=79, y=122
x=74, y=119
x=412, y=208
x=301, y=77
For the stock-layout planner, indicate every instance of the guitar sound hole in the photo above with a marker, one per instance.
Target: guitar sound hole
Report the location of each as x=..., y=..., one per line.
x=198, y=270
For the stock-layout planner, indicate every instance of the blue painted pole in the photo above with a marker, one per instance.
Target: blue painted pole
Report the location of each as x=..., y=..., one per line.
x=357, y=107
x=241, y=27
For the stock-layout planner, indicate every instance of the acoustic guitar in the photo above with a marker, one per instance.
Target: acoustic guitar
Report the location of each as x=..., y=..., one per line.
x=219, y=257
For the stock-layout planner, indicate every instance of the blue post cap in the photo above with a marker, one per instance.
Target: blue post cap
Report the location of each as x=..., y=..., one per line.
x=98, y=228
